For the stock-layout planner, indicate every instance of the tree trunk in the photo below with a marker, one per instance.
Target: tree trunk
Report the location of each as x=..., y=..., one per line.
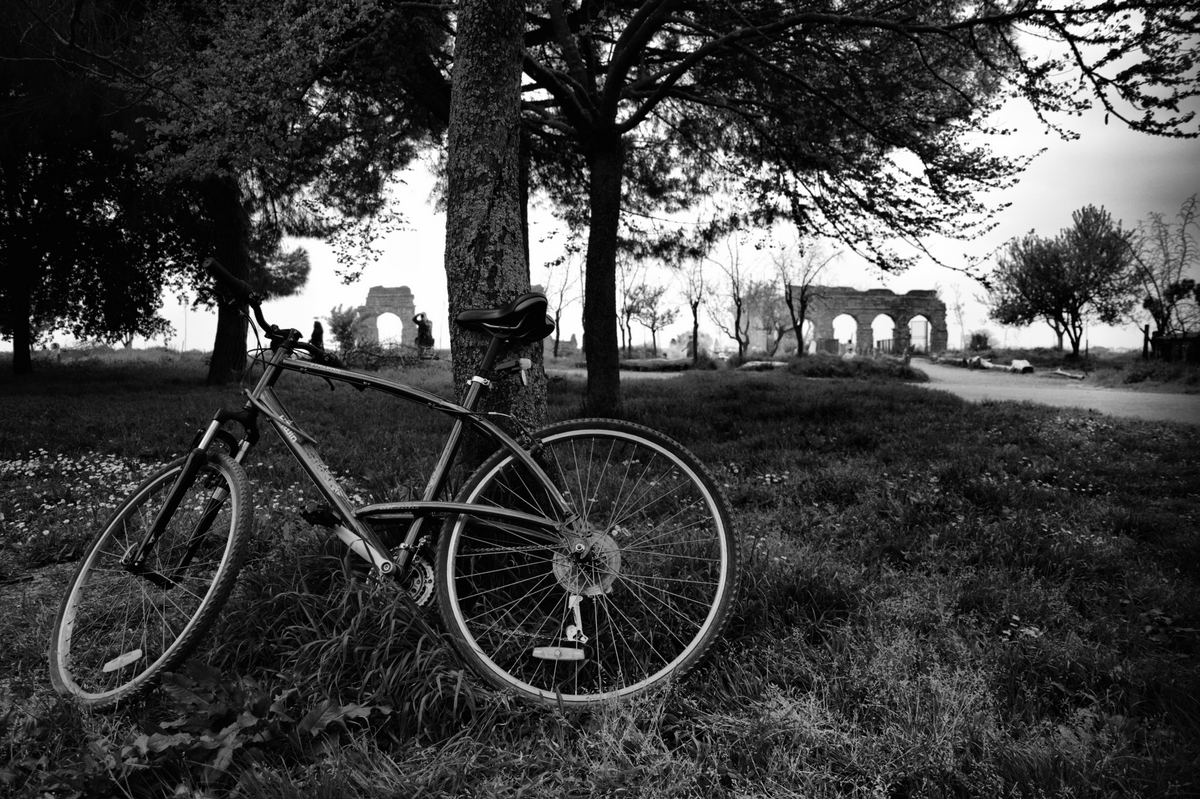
x=231, y=245
x=605, y=163
x=695, y=333
x=20, y=309
x=485, y=245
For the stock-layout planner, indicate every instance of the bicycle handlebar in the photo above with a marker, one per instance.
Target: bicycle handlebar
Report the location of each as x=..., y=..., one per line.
x=244, y=294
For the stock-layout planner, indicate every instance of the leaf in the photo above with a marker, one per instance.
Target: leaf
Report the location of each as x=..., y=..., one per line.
x=179, y=688
x=160, y=743
x=326, y=713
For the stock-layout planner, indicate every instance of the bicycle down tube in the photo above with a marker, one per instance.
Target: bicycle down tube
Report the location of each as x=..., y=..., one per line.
x=264, y=400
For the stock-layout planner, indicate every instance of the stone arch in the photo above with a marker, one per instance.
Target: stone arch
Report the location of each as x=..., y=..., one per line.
x=828, y=302
x=383, y=299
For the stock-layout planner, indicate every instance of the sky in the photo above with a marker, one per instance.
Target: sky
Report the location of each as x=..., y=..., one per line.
x=1128, y=173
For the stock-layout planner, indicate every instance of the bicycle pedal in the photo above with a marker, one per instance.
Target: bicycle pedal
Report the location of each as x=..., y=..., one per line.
x=558, y=653
x=319, y=514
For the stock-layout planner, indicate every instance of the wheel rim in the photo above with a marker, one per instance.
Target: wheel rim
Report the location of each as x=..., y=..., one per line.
x=118, y=629
x=650, y=578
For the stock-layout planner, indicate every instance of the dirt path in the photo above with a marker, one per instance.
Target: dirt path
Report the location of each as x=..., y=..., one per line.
x=1061, y=392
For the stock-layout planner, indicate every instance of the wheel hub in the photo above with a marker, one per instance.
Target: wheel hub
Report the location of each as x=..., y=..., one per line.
x=590, y=564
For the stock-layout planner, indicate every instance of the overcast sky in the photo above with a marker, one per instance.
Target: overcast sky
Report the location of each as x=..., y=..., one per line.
x=1128, y=173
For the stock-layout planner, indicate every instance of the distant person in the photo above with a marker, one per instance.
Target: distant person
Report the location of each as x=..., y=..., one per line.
x=317, y=339
x=424, y=334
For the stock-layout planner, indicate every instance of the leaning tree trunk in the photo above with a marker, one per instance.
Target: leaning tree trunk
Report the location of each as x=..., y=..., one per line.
x=605, y=158
x=485, y=260
x=231, y=245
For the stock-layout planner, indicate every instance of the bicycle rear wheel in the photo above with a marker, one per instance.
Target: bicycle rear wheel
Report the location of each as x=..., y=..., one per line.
x=633, y=597
x=116, y=629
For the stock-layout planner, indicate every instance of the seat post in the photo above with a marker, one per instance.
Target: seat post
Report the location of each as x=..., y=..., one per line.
x=485, y=366
x=489, y=357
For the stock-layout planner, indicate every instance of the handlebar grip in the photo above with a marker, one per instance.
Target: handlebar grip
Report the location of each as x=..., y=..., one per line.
x=239, y=289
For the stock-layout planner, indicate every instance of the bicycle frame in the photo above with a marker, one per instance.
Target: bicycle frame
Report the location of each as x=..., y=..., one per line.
x=262, y=400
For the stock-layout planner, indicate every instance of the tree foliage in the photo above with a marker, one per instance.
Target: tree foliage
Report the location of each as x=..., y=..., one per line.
x=1081, y=276
x=345, y=326
x=858, y=120
x=86, y=245
x=276, y=118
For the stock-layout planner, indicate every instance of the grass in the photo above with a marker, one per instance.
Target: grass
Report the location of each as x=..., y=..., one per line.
x=941, y=599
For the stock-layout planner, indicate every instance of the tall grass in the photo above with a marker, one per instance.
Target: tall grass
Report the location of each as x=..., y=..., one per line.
x=941, y=599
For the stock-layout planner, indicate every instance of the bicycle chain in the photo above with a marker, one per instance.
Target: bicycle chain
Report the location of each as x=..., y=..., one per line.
x=488, y=550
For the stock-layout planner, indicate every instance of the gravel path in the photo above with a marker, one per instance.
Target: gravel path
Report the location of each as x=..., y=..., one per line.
x=1059, y=391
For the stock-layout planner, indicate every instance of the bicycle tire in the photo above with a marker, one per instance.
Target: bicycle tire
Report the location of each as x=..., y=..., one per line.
x=115, y=630
x=655, y=586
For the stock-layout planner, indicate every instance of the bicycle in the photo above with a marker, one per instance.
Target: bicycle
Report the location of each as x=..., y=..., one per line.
x=589, y=560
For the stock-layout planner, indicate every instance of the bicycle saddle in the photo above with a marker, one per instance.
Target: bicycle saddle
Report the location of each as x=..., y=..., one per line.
x=521, y=321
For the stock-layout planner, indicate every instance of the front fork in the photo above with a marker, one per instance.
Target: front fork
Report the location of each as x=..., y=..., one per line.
x=135, y=560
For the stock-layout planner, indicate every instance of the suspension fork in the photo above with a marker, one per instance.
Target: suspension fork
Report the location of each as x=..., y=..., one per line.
x=135, y=562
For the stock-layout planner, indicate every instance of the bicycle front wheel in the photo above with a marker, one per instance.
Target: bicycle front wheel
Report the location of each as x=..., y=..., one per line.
x=632, y=597
x=117, y=627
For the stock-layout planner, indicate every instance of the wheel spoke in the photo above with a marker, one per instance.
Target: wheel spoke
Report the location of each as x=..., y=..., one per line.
x=652, y=556
x=117, y=629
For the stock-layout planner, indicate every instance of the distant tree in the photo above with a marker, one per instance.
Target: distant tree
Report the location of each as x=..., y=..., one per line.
x=1083, y=275
x=628, y=303
x=1164, y=255
x=561, y=282
x=651, y=312
x=694, y=292
x=798, y=268
x=345, y=326
x=768, y=312
x=731, y=294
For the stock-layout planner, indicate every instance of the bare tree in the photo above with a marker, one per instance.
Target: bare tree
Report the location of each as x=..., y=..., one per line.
x=628, y=274
x=693, y=294
x=1163, y=256
x=561, y=282
x=736, y=283
x=798, y=269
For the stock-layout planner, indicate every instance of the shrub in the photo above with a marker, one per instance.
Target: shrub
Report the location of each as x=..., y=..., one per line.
x=980, y=341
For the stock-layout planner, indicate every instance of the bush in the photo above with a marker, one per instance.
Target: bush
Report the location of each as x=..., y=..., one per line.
x=980, y=341
x=825, y=365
